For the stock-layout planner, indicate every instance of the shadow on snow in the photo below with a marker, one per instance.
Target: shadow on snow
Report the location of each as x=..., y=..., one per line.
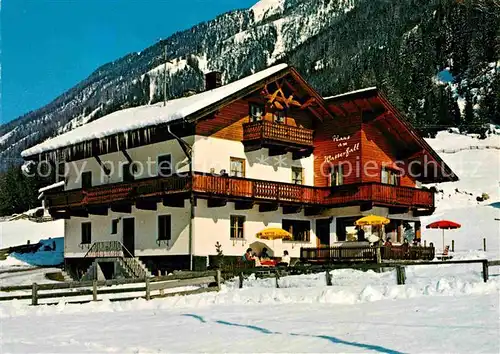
x=332, y=339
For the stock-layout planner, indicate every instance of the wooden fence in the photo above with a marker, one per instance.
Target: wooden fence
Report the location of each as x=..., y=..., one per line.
x=207, y=281
x=277, y=273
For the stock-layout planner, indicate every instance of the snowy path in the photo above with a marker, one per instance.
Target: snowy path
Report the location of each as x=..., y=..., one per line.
x=460, y=324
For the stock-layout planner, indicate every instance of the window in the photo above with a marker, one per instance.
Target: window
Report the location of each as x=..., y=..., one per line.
x=389, y=176
x=114, y=226
x=237, y=222
x=256, y=112
x=164, y=165
x=86, y=179
x=237, y=167
x=300, y=229
x=336, y=176
x=164, y=227
x=127, y=172
x=279, y=117
x=86, y=233
x=297, y=175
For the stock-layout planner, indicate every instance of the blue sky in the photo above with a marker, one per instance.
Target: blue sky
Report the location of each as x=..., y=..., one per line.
x=47, y=46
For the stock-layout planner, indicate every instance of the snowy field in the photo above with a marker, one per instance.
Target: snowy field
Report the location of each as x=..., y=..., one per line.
x=441, y=309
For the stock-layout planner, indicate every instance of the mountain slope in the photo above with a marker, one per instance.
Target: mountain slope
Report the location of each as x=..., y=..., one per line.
x=338, y=45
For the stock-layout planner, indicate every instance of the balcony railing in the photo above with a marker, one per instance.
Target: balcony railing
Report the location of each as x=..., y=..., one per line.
x=117, y=192
x=265, y=131
x=235, y=188
x=379, y=193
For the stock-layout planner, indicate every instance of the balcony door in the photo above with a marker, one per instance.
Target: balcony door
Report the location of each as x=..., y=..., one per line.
x=129, y=235
x=323, y=232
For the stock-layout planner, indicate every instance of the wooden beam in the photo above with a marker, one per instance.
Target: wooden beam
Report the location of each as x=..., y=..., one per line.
x=98, y=210
x=146, y=205
x=275, y=151
x=216, y=202
x=423, y=212
x=366, y=206
x=292, y=209
x=265, y=207
x=398, y=210
x=243, y=205
x=312, y=211
x=173, y=202
x=122, y=208
x=81, y=213
x=127, y=156
x=106, y=170
x=297, y=155
x=59, y=214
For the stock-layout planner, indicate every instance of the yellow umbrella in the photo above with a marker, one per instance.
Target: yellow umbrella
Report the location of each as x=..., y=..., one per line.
x=274, y=234
x=372, y=220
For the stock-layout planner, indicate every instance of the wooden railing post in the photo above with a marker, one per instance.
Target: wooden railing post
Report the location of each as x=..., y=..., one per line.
x=148, y=289
x=277, y=277
x=218, y=278
x=328, y=278
x=400, y=275
x=378, y=254
x=34, y=294
x=485, y=270
x=484, y=244
x=241, y=280
x=94, y=290
x=452, y=245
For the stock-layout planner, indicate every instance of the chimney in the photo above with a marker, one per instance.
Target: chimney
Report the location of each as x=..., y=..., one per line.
x=213, y=80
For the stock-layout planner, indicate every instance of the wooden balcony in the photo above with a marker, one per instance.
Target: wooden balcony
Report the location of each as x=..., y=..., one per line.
x=380, y=194
x=119, y=192
x=233, y=188
x=281, y=137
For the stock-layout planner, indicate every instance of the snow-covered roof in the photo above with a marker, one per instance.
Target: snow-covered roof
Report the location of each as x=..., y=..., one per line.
x=51, y=186
x=351, y=93
x=149, y=115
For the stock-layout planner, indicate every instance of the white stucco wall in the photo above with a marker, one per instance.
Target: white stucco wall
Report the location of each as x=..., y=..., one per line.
x=146, y=156
x=146, y=230
x=213, y=224
x=216, y=153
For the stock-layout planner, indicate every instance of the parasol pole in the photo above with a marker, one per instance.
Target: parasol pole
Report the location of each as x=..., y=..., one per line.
x=443, y=240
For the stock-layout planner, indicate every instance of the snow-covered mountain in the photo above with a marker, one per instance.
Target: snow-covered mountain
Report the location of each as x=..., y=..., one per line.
x=338, y=45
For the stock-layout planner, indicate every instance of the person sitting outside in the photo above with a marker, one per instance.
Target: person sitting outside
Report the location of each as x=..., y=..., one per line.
x=285, y=260
x=248, y=256
x=264, y=255
x=388, y=242
x=360, y=233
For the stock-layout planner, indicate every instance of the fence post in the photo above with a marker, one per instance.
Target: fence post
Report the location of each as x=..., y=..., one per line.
x=277, y=277
x=241, y=280
x=148, y=290
x=400, y=275
x=425, y=243
x=328, y=278
x=485, y=271
x=484, y=244
x=34, y=294
x=218, y=277
x=452, y=245
x=379, y=255
x=94, y=290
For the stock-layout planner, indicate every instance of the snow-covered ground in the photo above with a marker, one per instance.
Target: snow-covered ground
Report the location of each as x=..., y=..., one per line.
x=446, y=308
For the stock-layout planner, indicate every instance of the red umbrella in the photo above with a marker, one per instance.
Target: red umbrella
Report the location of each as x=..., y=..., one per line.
x=444, y=225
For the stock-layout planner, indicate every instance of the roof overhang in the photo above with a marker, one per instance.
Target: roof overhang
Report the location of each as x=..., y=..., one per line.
x=375, y=108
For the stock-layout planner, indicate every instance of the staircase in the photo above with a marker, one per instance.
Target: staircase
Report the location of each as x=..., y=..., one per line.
x=125, y=264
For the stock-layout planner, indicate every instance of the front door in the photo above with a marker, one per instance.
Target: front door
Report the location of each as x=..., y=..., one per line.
x=323, y=232
x=129, y=236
